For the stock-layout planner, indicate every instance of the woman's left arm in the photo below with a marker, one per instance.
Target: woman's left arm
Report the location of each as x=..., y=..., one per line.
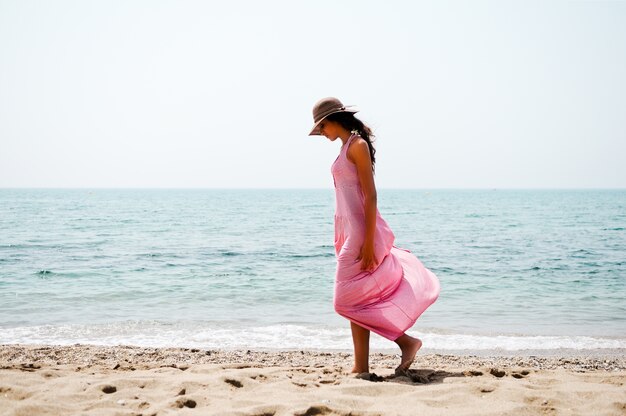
x=359, y=154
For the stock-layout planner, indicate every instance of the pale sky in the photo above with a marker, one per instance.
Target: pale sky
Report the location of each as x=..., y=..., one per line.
x=218, y=94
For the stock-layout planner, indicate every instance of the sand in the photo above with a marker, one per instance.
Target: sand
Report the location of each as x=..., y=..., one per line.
x=123, y=380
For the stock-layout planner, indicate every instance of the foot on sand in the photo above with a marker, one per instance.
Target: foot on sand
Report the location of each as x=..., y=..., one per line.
x=369, y=377
x=409, y=348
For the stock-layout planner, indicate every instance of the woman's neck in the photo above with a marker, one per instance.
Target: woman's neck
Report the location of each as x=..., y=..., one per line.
x=345, y=135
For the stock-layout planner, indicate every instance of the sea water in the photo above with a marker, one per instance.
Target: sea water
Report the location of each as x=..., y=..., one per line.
x=519, y=269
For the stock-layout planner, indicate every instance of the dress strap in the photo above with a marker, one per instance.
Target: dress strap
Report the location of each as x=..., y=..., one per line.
x=347, y=144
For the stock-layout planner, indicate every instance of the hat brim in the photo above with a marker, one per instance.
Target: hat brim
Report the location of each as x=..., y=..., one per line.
x=315, y=131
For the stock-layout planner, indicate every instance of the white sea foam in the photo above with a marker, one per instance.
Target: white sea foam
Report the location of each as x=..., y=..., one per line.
x=283, y=336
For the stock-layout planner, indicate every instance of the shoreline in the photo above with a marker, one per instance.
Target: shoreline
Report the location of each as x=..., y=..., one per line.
x=130, y=380
x=147, y=357
x=39, y=351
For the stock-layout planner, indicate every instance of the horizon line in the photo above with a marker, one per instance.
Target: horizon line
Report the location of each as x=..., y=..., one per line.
x=303, y=188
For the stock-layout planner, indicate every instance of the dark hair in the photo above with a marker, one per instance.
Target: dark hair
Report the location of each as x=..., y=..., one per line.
x=349, y=122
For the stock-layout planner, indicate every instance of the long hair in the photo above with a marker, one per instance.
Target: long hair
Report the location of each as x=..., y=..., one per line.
x=349, y=122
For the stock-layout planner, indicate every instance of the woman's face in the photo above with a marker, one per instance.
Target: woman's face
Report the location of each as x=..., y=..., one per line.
x=330, y=129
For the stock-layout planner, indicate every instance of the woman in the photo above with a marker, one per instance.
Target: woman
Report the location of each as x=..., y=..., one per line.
x=378, y=286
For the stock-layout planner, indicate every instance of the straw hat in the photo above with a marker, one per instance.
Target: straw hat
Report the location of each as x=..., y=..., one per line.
x=325, y=107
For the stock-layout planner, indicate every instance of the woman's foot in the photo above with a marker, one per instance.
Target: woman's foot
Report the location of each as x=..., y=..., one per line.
x=360, y=370
x=409, y=347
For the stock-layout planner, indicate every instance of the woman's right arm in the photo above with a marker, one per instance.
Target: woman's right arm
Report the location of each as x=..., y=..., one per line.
x=359, y=154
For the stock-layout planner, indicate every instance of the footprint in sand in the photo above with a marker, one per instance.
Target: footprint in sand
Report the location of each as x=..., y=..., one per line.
x=316, y=410
x=108, y=389
x=496, y=372
x=327, y=381
x=184, y=402
x=30, y=367
x=234, y=383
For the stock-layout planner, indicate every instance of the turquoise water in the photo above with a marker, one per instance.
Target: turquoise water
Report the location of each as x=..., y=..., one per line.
x=254, y=268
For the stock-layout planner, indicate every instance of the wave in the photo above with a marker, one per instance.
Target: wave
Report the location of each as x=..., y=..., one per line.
x=223, y=335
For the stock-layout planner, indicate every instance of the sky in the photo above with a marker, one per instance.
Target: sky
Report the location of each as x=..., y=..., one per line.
x=218, y=94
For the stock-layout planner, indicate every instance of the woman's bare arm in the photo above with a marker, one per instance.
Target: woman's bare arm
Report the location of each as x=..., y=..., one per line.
x=359, y=154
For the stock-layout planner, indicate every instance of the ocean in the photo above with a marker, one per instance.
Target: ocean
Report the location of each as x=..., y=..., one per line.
x=254, y=269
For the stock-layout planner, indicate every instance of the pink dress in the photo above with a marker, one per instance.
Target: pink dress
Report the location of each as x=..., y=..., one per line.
x=389, y=299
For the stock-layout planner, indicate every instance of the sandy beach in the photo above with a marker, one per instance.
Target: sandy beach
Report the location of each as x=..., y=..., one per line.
x=124, y=380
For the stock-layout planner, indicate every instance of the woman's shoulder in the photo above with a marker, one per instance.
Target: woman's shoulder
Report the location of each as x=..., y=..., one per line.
x=358, y=145
x=358, y=150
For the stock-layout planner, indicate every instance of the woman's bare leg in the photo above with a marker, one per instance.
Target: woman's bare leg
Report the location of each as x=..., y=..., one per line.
x=409, y=347
x=361, y=341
